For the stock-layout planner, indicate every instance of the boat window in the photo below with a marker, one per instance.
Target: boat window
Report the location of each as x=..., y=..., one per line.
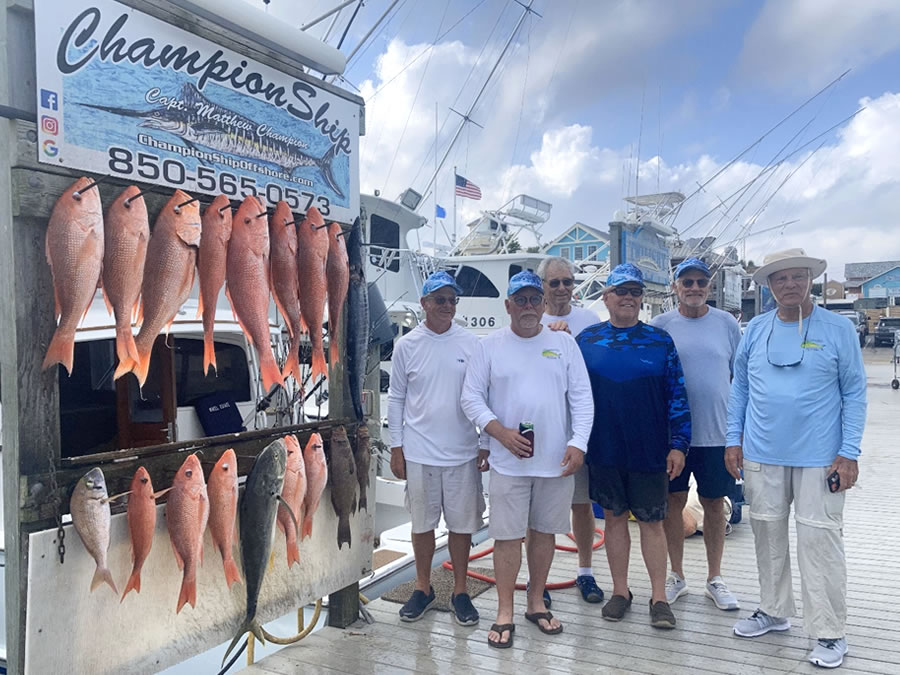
x=232, y=375
x=384, y=241
x=87, y=400
x=579, y=253
x=474, y=284
x=514, y=270
x=564, y=253
x=493, y=224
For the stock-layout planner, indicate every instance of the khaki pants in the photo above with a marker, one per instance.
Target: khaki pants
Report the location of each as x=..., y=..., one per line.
x=818, y=513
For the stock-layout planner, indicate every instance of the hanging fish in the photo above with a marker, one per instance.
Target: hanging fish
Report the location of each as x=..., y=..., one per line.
x=286, y=281
x=316, y=479
x=127, y=231
x=223, y=500
x=342, y=475
x=216, y=225
x=357, y=319
x=312, y=242
x=74, y=250
x=293, y=494
x=141, y=525
x=363, y=458
x=187, y=512
x=338, y=272
x=89, y=507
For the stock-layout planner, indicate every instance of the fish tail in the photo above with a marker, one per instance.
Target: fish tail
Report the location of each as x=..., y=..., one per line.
x=325, y=166
x=292, y=366
x=293, y=553
x=61, y=350
x=188, y=594
x=333, y=352
x=343, y=533
x=209, y=353
x=126, y=365
x=103, y=575
x=249, y=626
x=319, y=366
x=141, y=366
x=307, y=527
x=363, y=503
x=231, y=572
x=134, y=582
x=271, y=375
x=126, y=349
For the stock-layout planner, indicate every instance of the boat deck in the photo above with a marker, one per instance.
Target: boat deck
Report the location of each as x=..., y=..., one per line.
x=702, y=642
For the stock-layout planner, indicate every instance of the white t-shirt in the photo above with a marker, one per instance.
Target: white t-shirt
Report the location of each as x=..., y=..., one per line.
x=424, y=412
x=578, y=319
x=541, y=380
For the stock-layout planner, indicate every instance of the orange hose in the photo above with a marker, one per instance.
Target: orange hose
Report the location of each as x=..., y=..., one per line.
x=521, y=587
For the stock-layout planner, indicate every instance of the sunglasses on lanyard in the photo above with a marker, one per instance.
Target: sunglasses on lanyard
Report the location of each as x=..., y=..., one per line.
x=784, y=360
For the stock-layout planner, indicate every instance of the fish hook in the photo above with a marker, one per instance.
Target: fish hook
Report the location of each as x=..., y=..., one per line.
x=264, y=213
x=319, y=227
x=189, y=201
x=131, y=199
x=343, y=233
x=292, y=222
x=222, y=209
x=77, y=194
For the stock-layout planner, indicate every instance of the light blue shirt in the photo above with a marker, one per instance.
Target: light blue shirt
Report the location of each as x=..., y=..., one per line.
x=801, y=415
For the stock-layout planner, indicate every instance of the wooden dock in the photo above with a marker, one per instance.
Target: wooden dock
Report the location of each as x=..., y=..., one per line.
x=703, y=641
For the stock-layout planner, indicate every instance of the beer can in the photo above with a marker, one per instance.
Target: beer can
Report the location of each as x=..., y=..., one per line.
x=526, y=429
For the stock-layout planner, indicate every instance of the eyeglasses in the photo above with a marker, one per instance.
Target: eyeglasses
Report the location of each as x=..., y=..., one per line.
x=534, y=300
x=554, y=283
x=782, y=359
x=443, y=299
x=689, y=283
x=635, y=292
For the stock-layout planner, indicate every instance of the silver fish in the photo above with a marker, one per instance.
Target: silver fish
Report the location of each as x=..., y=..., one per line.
x=90, y=516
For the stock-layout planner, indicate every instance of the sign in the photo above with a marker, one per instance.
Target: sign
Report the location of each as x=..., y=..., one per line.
x=125, y=94
x=648, y=250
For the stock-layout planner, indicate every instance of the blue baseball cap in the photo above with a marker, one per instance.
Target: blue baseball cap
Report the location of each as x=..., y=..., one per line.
x=692, y=264
x=524, y=279
x=624, y=273
x=437, y=281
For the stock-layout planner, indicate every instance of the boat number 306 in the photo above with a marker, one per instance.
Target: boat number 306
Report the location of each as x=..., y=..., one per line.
x=210, y=181
x=480, y=321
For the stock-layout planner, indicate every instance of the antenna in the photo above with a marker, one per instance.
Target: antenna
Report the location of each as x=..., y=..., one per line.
x=637, y=168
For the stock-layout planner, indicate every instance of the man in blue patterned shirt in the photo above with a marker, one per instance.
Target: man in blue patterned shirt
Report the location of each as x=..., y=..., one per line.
x=640, y=437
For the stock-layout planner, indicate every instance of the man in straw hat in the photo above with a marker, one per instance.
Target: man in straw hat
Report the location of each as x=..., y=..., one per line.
x=795, y=421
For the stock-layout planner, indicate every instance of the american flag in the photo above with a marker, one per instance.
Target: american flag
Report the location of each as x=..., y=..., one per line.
x=466, y=188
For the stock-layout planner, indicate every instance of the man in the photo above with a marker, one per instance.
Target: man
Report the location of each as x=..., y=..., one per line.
x=795, y=422
x=435, y=448
x=558, y=277
x=706, y=339
x=641, y=434
x=529, y=374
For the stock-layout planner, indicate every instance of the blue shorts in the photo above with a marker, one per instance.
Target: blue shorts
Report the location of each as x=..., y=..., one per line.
x=708, y=466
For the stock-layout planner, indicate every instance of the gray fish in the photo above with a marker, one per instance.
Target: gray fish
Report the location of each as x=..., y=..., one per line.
x=363, y=459
x=257, y=511
x=205, y=123
x=342, y=475
x=357, y=319
x=90, y=516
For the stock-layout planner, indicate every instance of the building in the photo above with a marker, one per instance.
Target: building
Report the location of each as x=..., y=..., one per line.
x=580, y=244
x=834, y=290
x=884, y=285
x=856, y=273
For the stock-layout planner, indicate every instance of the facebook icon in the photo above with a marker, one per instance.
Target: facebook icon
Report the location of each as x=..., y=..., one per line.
x=49, y=99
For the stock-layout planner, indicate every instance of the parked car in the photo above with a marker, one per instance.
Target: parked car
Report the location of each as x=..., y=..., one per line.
x=884, y=331
x=858, y=323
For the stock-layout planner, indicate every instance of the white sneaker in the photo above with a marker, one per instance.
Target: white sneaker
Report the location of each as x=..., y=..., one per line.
x=829, y=653
x=759, y=623
x=718, y=592
x=675, y=587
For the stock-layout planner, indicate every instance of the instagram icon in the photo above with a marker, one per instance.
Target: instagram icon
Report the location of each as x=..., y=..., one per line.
x=49, y=125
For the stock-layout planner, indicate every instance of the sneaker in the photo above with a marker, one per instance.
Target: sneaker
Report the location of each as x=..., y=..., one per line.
x=829, y=653
x=590, y=591
x=759, y=623
x=463, y=610
x=661, y=615
x=417, y=605
x=675, y=587
x=547, y=599
x=615, y=608
x=718, y=592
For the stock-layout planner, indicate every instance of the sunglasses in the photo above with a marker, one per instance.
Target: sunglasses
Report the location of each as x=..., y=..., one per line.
x=554, y=283
x=788, y=358
x=442, y=300
x=689, y=283
x=534, y=300
x=635, y=292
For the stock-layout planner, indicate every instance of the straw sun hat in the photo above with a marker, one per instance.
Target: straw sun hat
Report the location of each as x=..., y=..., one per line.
x=785, y=260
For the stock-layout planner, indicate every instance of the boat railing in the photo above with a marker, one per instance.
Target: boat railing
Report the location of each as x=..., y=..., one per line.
x=590, y=288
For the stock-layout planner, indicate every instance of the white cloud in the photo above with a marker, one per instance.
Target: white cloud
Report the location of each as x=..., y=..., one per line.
x=806, y=43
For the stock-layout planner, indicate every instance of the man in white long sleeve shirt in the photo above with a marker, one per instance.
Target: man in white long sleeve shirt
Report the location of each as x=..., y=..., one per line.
x=528, y=373
x=434, y=446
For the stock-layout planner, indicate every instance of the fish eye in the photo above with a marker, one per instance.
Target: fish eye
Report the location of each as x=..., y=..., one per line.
x=89, y=483
x=188, y=473
x=290, y=452
x=225, y=467
x=144, y=480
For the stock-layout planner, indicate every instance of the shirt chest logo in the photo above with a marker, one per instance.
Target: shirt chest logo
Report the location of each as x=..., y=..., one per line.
x=551, y=354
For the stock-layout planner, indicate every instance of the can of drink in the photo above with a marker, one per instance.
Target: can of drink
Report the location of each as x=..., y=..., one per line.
x=526, y=429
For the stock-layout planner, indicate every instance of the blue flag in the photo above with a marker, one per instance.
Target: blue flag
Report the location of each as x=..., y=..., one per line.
x=439, y=211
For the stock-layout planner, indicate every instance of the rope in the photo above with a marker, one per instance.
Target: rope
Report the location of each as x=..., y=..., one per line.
x=521, y=587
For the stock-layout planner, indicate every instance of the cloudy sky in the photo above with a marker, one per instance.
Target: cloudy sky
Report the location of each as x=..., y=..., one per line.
x=562, y=117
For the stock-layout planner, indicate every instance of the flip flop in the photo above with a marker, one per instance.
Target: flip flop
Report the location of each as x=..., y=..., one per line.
x=500, y=628
x=546, y=616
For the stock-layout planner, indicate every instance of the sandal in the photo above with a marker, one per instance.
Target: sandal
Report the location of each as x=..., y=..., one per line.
x=501, y=628
x=546, y=616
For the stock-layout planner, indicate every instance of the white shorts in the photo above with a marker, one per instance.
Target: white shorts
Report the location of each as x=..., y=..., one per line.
x=454, y=490
x=520, y=503
x=581, y=495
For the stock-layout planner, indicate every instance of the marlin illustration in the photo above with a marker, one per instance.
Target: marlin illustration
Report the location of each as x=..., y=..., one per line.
x=207, y=124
